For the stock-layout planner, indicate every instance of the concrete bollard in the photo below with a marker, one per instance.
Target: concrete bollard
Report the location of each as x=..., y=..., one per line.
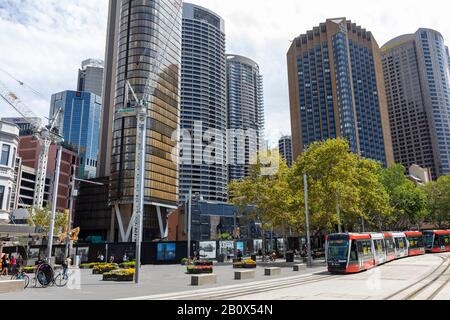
x=244, y=275
x=203, y=279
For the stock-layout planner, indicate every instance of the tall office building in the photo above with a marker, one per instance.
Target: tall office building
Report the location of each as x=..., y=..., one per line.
x=245, y=115
x=149, y=58
x=285, y=147
x=109, y=90
x=9, y=143
x=79, y=123
x=416, y=70
x=203, y=105
x=90, y=76
x=336, y=89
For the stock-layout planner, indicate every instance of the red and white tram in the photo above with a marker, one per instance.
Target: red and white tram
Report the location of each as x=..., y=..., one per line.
x=437, y=241
x=416, y=243
x=350, y=253
x=354, y=252
x=401, y=245
x=390, y=246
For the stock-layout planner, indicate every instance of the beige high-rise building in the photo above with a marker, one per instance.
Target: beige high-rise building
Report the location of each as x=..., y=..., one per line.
x=336, y=89
x=108, y=94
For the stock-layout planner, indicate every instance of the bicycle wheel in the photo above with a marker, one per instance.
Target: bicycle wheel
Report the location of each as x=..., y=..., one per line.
x=27, y=281
x=61, y=280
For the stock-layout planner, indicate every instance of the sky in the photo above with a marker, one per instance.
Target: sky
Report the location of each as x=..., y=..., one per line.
x=42, y=43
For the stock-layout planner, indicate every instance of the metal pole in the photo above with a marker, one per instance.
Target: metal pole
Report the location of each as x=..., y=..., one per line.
x=69, y=227
x=308, y=235
x=139, y=184
x=189, y=224
x=54, y=203
x=338, y=211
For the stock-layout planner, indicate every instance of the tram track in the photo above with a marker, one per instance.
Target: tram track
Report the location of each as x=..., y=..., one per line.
x=244, y=289
x=410, y=292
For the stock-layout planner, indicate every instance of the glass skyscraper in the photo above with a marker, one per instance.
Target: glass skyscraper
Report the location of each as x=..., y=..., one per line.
x=417, y=76
x=203, y=105
x=90, y=76
x=149, y=58
x=79, y=123
x=336, y=89
x=285, y=148
x=245, y=115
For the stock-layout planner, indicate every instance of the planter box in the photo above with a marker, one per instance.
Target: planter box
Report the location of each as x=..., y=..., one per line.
x=118, y=278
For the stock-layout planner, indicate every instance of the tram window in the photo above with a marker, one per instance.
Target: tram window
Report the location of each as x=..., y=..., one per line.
x=429, y=240
x=354, y=252
x=390, y=245
x=360, y=248
x=397, y=243
x=445, y=240
x=401, y=243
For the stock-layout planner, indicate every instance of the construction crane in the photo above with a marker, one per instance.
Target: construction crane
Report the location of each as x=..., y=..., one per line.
x=141, y=107
x=46, y=135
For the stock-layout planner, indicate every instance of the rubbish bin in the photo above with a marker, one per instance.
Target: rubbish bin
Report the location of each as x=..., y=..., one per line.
x=290, y=256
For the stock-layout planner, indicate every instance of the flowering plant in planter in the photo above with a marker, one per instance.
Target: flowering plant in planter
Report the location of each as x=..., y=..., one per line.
x=119, y=275
x=199, y=269
x=104, y=268
x=204, y=263
x=246, y=264
x=127, y=265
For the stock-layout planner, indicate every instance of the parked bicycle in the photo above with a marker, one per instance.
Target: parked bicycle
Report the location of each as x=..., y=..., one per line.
x=45, y=276
x=21, y=275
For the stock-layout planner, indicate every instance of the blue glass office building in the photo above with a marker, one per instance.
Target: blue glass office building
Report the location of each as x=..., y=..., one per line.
x=79, y=124
x=336, y=89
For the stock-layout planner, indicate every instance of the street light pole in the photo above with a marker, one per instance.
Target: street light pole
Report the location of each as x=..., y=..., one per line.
x=189, y=224
x=308, y=235
x=54, y=203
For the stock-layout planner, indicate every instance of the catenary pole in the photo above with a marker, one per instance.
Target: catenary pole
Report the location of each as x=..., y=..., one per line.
x=54, y=204
x=308, y=234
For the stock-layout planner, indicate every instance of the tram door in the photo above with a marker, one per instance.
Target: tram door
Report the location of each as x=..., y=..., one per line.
x=361, y=256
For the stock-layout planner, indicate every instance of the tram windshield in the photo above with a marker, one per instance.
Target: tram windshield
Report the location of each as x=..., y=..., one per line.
x=416, y=242
x=429, y=240
x=338, y=249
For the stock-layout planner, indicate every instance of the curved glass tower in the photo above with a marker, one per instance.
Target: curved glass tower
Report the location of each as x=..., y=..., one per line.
x=149, y=46
x=245, y=115
x=203, y=105
x=417, y=76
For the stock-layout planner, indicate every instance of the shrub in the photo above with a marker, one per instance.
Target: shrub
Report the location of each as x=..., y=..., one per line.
x=119, y=275
x=127, y=265
x=104, y=268
x=199, y=269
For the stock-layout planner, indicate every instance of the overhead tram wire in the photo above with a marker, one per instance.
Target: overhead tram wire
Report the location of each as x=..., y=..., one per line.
x=23, y=84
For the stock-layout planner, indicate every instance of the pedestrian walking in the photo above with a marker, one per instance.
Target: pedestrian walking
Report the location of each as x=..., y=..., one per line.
x=5, y=265
x=125, y=258
x=13, y=265
x=111, y=259
x=101, y=258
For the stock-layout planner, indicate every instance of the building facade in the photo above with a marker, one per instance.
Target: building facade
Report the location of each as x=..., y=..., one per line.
x=416, y=70
x=285, y=147
x=109, y=90
x=90, y=76
x=79, y=123
x=203, y=105
x=26, y=129
x=149, y=59
x=336, y=89
x=29, y=151
x=9, y=143
x=245, y=98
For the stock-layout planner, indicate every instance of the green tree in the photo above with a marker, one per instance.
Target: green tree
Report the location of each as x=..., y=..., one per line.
x=374, y=199
x=438, y=195
x=409, y=203
x=263, y=192
x=332, y=184
x=41, y=218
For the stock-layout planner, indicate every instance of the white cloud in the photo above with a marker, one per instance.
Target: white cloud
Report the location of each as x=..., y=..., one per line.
x=43, y=42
